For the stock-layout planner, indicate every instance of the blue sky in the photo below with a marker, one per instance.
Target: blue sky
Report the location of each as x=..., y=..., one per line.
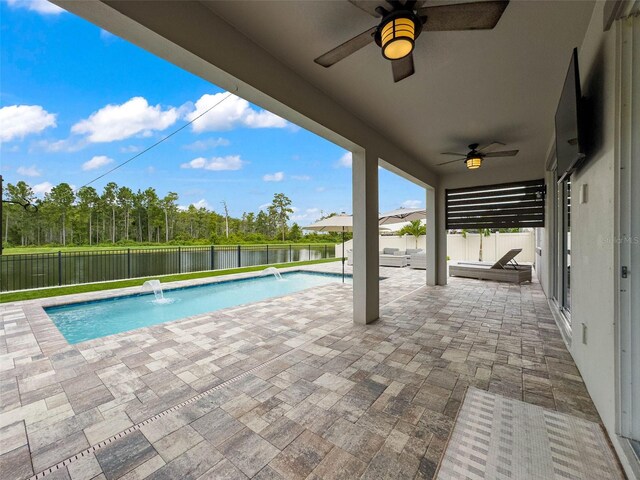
x=76, y=101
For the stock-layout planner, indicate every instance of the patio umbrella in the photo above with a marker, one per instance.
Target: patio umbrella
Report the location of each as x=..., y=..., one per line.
x=336, y=223
x=402, y=215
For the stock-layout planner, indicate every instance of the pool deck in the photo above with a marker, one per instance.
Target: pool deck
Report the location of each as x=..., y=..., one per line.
x=283, y=388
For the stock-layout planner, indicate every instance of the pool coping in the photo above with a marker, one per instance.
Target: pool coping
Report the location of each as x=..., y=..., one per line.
x=50, y=339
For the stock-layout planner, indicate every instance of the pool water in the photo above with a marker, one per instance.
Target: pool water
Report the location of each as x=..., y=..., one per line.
x=84, y=321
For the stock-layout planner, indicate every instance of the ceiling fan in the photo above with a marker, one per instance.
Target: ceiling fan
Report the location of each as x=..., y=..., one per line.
x=402, y=23
x=473, y=159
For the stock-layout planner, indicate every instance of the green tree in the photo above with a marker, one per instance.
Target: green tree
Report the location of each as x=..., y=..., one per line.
x=415, y=228
x=281, y=209
x=169, y=207
x=88, y=200
x=295, y=232
x=125, y=199
x=62, y=197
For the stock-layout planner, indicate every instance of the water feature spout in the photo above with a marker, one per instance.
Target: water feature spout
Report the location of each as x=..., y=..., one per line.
x=157, y=291
x=272, y=271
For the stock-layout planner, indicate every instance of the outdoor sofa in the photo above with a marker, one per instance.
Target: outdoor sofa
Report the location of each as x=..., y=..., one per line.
x=504, y=270
x=418, y=260
x=393, y=257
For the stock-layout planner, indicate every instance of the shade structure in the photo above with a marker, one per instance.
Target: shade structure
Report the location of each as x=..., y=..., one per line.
x=336, y=223
x=402, y=215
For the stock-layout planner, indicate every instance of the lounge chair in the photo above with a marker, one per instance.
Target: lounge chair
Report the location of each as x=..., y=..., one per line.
x=393, y=260
x=418, y=260
x=504, y=270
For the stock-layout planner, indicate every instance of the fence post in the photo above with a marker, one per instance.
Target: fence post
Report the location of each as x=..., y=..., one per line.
x=239, y=256
x=59, y=268
x=213, y=258
x=325, y=251
x=128, y=263
x=309, y=251
x=290, y=257
x=179, y=260
x=267, y=253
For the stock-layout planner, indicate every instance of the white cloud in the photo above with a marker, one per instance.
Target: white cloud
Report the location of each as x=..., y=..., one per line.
x=107, y=37
x=96, y=162
x=150, y=169
x=345, y=160
x=130, y=149
x=202, y=203
x=117, y=122
x=301, y=178
x=309, y=215
x=42, y=7
x=411, y=204
x=320, y=189
x=18, y=121
x=31, y=171
x=263, y=206
x=57, y=146
x=207, y=144
x=42, y=188
x=231, y=113
x=273, y=177
x=230, y=162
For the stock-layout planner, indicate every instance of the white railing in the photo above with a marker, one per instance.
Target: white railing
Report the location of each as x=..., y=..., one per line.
x=460, y=248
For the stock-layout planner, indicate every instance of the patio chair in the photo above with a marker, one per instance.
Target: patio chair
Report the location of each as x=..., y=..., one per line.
x=506, y=269
x=413, y=251
x=393, y=260
x=418, y=261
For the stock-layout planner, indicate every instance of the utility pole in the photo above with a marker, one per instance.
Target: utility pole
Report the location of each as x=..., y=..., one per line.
x=226, y=217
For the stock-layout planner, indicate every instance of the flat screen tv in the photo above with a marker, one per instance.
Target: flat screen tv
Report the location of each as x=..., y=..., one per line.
x=569, y=120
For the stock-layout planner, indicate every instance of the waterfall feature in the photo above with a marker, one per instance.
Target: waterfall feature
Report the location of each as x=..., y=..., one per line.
x=157, y=291
x=272, y=271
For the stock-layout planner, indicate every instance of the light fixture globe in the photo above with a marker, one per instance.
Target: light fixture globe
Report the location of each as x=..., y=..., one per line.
x=474, y=162
x=396, y=34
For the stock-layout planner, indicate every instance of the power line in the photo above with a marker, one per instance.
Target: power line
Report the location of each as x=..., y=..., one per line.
x=157, y=143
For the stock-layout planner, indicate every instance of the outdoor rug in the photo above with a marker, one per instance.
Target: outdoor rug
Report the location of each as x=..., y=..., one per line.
x=498, y=438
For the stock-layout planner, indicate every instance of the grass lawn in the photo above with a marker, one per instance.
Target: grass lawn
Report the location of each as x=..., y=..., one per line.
x=29, y=250
x=94, y=287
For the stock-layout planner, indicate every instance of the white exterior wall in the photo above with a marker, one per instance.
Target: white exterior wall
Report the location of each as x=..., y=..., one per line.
x=593, y=228
x=465, y=249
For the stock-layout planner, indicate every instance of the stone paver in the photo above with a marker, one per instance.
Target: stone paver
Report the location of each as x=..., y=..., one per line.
x=335, y=401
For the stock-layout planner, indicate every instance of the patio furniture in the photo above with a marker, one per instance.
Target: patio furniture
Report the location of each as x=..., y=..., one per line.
x=393, y=261
x=413, y=251
x=391, y=251
x=418, y=261
x=506, y=269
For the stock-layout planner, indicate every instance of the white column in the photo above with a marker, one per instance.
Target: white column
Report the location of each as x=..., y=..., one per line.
x=366, y=293
x=436, y=238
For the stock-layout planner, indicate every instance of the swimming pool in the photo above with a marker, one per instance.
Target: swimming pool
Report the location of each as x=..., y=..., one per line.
x=79, y=322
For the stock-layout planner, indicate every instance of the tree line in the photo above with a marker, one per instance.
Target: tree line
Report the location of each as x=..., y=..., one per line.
x=118, y=215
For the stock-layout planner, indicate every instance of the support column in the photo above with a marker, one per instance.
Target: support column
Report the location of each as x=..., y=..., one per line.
x=366, y=289
x=436, y=238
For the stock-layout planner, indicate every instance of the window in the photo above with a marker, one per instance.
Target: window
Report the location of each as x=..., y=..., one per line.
x=563, y=248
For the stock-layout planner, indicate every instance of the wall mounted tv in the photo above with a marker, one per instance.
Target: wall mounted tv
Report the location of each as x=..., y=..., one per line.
x=570, y=145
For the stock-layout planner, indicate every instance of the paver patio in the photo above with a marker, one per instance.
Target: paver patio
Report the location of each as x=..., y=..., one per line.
x=285, y=388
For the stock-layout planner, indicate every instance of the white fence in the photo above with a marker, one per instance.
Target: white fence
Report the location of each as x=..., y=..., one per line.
x=460, y=248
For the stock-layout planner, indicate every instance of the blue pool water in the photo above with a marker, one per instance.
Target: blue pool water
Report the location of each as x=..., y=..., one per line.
x=83, y=321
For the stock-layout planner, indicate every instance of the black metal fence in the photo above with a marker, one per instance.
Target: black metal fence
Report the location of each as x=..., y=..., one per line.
x=37, y=270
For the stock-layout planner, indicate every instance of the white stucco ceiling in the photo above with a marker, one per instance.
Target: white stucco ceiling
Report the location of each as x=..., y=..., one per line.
x=472, y=86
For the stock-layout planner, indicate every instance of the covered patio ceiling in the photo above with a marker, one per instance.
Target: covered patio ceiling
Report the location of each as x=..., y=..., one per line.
x=469, y=86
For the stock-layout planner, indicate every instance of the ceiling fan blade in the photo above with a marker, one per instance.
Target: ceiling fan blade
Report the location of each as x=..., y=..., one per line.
x=505, y=153
x=463, y=16
x=368, y=6
x=453, y=153
x=489, y=145
x=452, y=161
x=347, y=48
x=402, y=68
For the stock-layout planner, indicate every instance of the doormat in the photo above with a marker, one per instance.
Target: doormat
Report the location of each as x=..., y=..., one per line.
x=498, y=438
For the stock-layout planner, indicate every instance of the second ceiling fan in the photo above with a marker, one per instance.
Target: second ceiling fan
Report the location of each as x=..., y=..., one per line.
x=402, y=23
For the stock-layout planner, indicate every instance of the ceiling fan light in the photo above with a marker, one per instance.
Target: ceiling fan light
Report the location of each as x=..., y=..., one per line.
x=473, y=163
x=397, y=38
